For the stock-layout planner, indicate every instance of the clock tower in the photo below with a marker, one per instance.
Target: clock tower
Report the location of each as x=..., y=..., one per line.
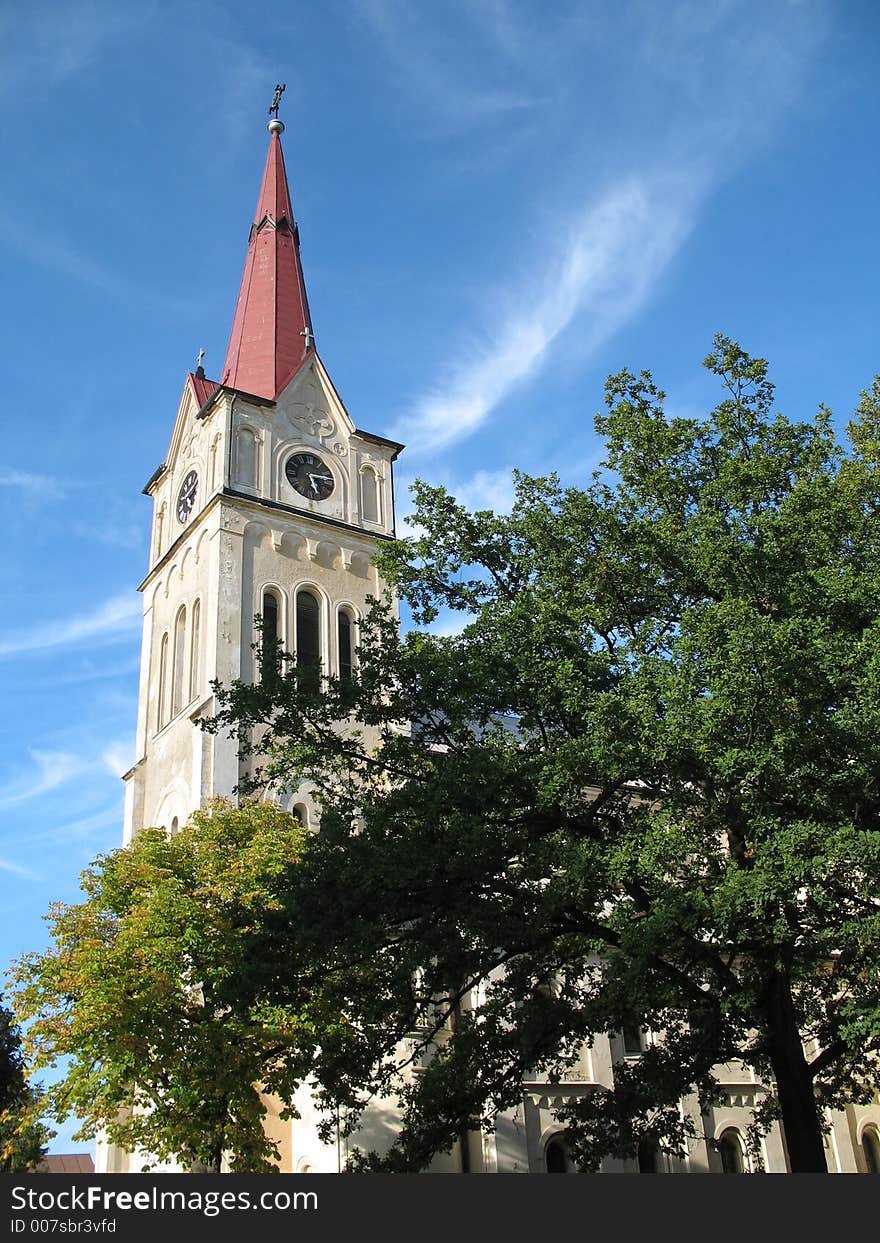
x=270, y=501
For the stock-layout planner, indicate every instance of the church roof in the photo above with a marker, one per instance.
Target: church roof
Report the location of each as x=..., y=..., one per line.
x=271, y=331
x=203, y=388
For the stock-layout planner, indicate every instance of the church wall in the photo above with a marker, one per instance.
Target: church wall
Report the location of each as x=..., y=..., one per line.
x=309, y=417
x=169, y=777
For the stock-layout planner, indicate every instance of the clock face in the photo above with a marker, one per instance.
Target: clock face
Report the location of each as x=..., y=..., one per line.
x=309, y=476
x=186, y=497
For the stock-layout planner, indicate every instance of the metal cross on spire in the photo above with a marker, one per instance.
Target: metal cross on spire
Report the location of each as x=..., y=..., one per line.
x=276, y=99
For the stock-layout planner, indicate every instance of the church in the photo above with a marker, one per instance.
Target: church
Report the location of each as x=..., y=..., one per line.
x=272, y=501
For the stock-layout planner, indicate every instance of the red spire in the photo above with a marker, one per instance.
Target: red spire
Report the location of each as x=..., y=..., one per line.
x=272, y=330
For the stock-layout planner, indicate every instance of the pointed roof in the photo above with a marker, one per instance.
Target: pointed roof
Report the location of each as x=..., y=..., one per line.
x=272, y=329
x=202, y=387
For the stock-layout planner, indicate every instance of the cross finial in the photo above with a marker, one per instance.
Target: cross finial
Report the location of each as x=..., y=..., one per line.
x=276, y=99
x=200, y=357
x=309, y=336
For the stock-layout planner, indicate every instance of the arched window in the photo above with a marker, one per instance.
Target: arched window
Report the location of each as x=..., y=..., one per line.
x=179, y=655
x=731, y=1152
x=344, y=628
x=308, y=629
x=555, y=1157
x=370, y=495
x=174, y=827
x=195, y=639
x=871, y=1149
x=649, y=1157
x=162, y=697
x=300, y=812
x=270, y=633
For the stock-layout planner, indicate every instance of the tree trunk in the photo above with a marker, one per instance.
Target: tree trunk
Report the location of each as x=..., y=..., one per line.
x=801, y=1125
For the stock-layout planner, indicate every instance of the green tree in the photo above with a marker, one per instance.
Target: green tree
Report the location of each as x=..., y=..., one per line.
x=641, y=784
x=23, y=1137
x=152, y=991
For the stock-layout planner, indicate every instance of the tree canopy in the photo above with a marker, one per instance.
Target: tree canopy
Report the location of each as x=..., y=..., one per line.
x=639, y=784
x=152, y=989
x=23, y=1137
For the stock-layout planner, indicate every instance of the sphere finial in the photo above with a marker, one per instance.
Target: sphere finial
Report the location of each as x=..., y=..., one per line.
x=275, y=126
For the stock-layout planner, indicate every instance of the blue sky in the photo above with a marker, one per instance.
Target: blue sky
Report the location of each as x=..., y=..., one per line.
x=500, y=203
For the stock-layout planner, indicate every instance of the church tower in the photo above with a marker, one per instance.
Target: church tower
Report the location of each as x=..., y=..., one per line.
x=270, y=501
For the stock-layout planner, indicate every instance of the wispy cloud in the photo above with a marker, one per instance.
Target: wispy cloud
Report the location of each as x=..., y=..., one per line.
x=50, y=769
x=17, y=870
x=486, y=489
x=118, y=757
x=83, y=828
x=449, y=626
x=44, y=42
x=90, y=670
x=114, y=534
x=721, y=96
x=248, y=79
x=614, y=253
x=113, y=620
x=59, y=255
x=36, y=487
x=431, y=67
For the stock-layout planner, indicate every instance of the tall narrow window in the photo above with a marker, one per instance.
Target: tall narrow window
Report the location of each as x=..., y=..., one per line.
x=308, y=637
x=214, y=444
x=555, y=1157
x=246, y=457
x=160, y=522
x=179, y=653
x=633, y=1038
x=649, y=1157
x=162, y=696
x=195, y=639
x=370, y=494
x=871, y=1149
x=270, y=648
x=344, y=629
x=730, y=1148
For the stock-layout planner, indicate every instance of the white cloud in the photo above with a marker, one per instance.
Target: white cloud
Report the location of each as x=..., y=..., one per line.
x=722, y=97
x=429, y=65
x=17, y=870
x=615, y=251
x=84, y=827
x=51, y=769
x=43, y=43
x=486, y=489
x=58, y=254
x=115, y=535
x=448, y=627
x=38, y=487
x=114, y=619
x=118, y=757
